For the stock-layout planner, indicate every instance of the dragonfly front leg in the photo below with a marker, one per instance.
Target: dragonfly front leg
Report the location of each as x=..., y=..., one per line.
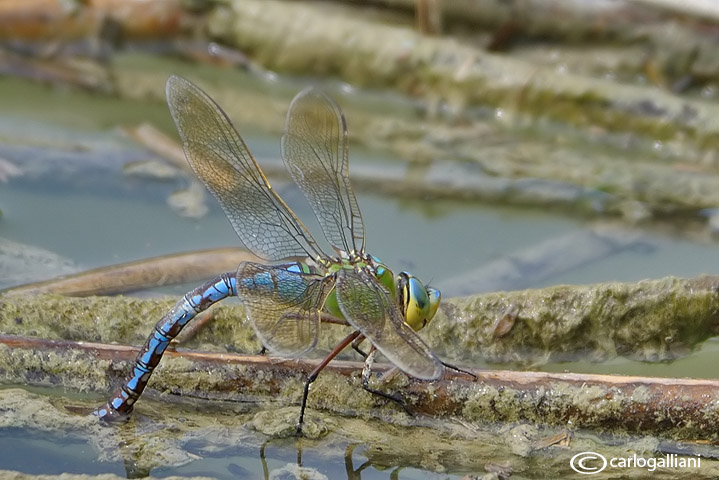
x=201, y=298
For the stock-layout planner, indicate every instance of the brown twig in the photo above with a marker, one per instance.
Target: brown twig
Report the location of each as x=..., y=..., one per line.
x=133, y=276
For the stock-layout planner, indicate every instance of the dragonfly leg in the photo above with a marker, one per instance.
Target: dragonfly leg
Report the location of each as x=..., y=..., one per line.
x=120, y=405
x=367, y=372
x=356, y=346
x=460, y=370
x=329, y=318
x=315, y=373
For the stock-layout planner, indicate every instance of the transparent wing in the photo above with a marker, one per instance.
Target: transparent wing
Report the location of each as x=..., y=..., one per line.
x=282, y=306
x=315, y=151
x=368, y=307
x=220, y=158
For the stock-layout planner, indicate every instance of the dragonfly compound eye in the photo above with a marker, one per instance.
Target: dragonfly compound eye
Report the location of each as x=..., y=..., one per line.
x=418, y=304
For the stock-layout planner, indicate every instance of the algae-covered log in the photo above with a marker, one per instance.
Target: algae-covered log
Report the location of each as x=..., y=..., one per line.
x=369, y=53
x=652, y=320
x=604, y=403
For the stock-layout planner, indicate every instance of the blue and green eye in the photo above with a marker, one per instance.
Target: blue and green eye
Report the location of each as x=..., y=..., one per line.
x=435, y=296
x=417, y=303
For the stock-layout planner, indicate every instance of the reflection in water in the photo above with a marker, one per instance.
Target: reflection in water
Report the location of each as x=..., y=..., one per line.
x=298, y=470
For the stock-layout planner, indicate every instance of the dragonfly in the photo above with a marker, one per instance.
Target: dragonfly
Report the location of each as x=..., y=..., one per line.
x=287, y=299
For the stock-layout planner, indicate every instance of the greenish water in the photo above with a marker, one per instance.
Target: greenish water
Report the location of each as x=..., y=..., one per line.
x=95, y=215
x=40, y=453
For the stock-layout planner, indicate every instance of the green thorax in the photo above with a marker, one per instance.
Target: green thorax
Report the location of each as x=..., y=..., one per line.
x=383, y=274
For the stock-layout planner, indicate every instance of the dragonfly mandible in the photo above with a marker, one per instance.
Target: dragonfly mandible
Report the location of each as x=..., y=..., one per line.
x=285, y=302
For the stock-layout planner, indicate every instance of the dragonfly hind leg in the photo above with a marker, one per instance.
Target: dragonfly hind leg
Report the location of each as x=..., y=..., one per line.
x=460, y=370
x=367, y=372
x=315, y=373
x=356, y=346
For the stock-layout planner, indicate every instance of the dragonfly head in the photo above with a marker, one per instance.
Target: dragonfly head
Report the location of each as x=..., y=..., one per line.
x=417, y=302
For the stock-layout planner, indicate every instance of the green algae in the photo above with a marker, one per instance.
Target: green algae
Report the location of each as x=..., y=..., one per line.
x=118, y=319
x=651, y=320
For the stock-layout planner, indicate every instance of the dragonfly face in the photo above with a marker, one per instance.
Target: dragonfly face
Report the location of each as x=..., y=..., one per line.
x=418, y=304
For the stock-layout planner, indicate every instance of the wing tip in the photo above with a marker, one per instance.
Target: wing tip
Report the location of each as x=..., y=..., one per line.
x=173, y=81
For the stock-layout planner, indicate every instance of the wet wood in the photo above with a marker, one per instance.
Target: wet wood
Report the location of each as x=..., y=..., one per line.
x=62, y=21
x=161, y=144
x=679, y=408
x=154, y=272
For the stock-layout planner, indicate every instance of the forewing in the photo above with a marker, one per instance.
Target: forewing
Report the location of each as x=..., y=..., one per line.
x=282, y=306
x=220, y=158
x=368, y=307
x=315, y=151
